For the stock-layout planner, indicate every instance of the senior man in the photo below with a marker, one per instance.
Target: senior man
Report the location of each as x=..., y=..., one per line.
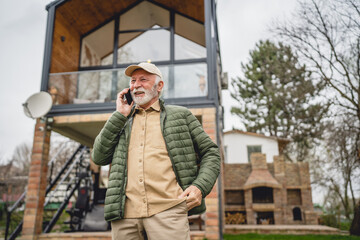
x=163, y=164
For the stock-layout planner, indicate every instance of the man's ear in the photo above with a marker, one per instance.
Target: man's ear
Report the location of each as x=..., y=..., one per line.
x=160, y=86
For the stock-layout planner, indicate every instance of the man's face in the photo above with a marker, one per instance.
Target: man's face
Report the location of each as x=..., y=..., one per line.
x=143, y=88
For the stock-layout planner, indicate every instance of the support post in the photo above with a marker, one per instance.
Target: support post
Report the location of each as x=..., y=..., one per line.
x=35, y=196
x=212, y=229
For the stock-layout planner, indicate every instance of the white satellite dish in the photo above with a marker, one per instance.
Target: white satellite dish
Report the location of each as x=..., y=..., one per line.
x=38, y=105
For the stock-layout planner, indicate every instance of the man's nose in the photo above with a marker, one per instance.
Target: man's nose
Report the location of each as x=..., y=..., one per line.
x=137, y=84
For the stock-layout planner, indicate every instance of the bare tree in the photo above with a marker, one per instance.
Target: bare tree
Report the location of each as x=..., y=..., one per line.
x=338, y=169
x=326, y=34
x=21, y=158
x=15, y=172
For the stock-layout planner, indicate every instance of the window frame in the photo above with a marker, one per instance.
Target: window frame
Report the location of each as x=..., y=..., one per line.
x=249, y=153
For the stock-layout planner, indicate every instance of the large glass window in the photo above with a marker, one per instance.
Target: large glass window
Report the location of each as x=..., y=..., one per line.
x=143, y=16
x=144, y=34
x=189, y=38
x=98, y=46
x=143, y=46
x=190, y=81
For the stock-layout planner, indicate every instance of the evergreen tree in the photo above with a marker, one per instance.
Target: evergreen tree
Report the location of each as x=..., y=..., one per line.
x=278, y=97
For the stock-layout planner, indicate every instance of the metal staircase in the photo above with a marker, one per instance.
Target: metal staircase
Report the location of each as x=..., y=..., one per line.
x=62, y=186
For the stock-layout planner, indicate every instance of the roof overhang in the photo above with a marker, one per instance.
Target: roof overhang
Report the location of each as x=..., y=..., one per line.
x=279, y=139
x=87, y=15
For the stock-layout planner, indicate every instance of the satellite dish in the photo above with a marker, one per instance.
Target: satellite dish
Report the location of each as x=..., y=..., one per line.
x=38, y=105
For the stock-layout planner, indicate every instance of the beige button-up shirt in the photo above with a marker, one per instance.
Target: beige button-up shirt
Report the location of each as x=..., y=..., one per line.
x=151, y=186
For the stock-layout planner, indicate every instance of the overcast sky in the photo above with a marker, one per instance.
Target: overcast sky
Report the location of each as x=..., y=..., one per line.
x=241, y=24
x=22, y=31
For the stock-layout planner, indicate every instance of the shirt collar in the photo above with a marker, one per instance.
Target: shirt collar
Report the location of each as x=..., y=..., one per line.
x=155, y=106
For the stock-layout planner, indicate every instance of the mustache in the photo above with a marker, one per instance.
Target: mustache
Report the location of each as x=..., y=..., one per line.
x=139, y=90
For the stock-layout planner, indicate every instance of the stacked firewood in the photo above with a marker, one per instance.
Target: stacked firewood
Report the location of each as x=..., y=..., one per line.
x=235, y=218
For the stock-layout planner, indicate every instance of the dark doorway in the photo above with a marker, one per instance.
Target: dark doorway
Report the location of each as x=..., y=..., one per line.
x=297, y=214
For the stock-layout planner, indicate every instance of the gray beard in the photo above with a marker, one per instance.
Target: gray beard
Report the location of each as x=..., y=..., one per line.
x=149, y=95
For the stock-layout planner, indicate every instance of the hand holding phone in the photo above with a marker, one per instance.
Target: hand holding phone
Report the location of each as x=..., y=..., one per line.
x=124, y=103
x=128, y=97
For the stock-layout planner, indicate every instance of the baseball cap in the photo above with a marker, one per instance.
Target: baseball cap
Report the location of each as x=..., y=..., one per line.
x=149, y=67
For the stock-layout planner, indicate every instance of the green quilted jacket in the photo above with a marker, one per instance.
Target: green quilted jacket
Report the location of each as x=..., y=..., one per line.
x=194, y=156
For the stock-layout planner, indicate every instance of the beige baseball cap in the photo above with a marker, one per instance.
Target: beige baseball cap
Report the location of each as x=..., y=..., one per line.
x=149, y=67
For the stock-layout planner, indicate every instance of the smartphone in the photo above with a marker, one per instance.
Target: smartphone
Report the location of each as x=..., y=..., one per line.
x=128, y=97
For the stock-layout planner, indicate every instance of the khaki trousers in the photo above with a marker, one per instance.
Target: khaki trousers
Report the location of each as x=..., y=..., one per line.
x=170, y=224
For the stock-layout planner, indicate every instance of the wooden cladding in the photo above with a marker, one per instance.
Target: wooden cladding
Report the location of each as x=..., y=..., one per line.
x=86, y=15
x=192, y=8
x=66, y=46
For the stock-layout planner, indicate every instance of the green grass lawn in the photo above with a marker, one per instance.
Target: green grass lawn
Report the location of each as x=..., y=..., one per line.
x=253, y=236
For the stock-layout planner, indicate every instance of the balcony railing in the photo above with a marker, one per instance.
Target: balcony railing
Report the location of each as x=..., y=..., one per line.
x=102, y=86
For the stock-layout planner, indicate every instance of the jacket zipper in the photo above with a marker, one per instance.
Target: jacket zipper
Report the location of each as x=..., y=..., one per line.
x=122, y=190
x=163, y=115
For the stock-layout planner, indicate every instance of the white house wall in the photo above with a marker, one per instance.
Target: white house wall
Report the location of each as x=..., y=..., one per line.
x=236, y=147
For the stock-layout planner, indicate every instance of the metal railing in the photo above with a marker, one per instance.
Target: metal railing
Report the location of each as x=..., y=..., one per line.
x=52, y=182
x=73, y=184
